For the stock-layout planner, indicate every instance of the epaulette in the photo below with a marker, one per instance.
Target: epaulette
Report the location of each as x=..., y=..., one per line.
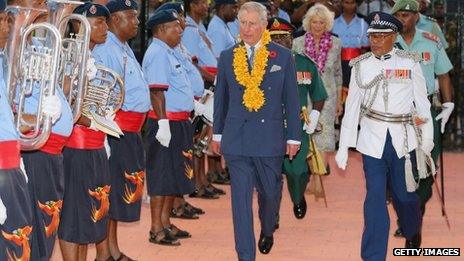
x=407, y=54
x=431, y=36
x=430, y=18
x=356, y=60
x=334, y=34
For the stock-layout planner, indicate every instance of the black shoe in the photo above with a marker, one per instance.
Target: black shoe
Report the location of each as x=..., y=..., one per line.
x=216, y=190
x=185, y=214
x=204, y=193
x=300, y=209
x=265, y=243
x=398, y=233
x=193, y=209
x=414, y=242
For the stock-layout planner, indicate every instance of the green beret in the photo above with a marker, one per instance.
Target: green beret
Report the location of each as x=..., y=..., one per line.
x=405, y=5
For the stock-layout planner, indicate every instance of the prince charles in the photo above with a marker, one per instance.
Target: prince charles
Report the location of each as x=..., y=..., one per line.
x=256, y=122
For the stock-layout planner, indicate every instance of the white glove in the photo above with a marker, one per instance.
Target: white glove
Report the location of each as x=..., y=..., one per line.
x=163, y=135
x=199, y=108
x=23, y=169
x=3, y=215
x=445, y=113
x=342, y=157
x=313, y=119
x=427, y=146
x=107, y=148
x=51, y=106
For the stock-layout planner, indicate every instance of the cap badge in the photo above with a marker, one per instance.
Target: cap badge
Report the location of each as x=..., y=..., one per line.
x=174, y=14
x=377, y=17
x=275, y=24
x=128, y=3
x=93, y=10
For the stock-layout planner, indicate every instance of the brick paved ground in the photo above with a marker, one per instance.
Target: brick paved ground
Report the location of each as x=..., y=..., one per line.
x=331, y=233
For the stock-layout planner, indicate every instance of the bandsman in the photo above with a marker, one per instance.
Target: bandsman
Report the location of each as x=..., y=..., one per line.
x=127, y=160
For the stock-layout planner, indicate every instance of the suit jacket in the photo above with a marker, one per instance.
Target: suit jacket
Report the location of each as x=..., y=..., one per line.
x=263, y=133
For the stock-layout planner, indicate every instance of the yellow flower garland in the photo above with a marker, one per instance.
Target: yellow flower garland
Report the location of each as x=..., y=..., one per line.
x=253, y=97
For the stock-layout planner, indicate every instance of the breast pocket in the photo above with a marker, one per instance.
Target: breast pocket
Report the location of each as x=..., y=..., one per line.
x=178, y=75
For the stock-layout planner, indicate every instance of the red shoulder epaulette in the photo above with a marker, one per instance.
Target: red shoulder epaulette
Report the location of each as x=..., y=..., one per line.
x=431, y=36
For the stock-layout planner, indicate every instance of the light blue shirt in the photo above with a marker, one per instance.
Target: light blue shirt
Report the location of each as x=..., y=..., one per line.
x=430, y=25
x=366, y=8
x=220, y=35
x=119, y=57
x=193, y=39
x=234, y=28
x=352, y=35
x=198, y=85
x=284, y=15
x=7, y=128
x=164, y=68
x=435, y=61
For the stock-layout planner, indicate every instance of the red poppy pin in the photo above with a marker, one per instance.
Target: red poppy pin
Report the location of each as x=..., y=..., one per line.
x=273, y=54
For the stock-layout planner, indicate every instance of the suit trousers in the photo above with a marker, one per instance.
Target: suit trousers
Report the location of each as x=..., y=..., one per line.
x=376, y=219
x=264, y=173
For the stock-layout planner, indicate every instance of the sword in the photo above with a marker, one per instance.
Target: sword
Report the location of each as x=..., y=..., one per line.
x=440, y=198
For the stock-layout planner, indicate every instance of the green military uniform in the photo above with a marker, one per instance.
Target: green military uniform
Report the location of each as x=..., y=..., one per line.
x=309, y=84
x=434, y=62
x=430, y=25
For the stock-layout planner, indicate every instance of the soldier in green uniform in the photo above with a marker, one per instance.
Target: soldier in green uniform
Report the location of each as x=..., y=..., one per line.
x=435, y=62
x=309, y=85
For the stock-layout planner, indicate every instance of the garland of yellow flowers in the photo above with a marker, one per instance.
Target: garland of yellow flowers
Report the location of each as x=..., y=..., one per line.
x=253, y=97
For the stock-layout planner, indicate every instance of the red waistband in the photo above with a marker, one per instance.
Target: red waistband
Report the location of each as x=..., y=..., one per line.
x=54, y=144
x=350, y=53
x=130, y=121
x=9, y=154
x=172, y=116
x=152, y=115
x=212, y=70
x=85, y=138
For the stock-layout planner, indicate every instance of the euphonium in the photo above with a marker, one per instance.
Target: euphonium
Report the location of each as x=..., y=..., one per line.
x=74, y=51
x=104, y=93
x=20, y=18
x=32, y=64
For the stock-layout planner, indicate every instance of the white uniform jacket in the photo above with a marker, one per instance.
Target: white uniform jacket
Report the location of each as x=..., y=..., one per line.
x=406, y=91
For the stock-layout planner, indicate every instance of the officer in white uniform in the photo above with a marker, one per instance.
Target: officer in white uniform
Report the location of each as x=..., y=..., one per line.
x=388, y=98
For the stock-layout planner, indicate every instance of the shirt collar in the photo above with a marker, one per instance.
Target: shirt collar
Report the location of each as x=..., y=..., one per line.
x=115, y=39
x=257, y=45
x=387, y=55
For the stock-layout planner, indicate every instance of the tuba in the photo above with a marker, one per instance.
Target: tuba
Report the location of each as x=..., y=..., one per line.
x=31, y=65
x=104, y=94
x=74, y=51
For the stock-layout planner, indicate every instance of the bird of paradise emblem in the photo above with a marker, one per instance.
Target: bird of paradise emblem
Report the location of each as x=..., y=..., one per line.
x=100, y=194
x=188, y=168
x=52, y=209
x=20, y=237
x=136, y=178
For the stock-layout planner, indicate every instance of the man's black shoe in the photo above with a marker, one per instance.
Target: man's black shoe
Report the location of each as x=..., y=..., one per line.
x=300, y=209
x=265, y=243
x=414, y=242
